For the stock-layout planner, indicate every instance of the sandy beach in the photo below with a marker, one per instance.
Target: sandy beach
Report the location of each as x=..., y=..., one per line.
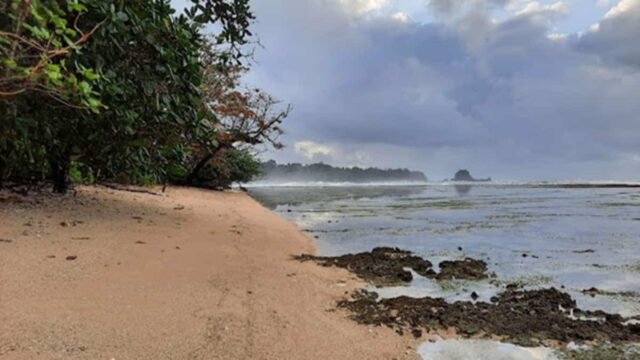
x=188, y=274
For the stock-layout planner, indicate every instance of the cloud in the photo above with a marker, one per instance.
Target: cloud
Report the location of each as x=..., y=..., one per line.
x=615, y=38
x=535, y=7
x=624, y=6
x=400, y=16
x=361, y=6
x=509, y=98
x=451, y=7
x=310, y=150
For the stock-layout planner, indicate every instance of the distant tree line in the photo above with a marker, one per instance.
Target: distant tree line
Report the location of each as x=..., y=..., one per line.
x=273, y=172
x=129, y=92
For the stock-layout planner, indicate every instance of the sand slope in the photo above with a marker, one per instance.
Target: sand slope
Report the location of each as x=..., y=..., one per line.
x=191, y=274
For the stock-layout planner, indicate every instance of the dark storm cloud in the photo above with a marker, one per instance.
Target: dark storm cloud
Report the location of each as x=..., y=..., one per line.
x=504, y=94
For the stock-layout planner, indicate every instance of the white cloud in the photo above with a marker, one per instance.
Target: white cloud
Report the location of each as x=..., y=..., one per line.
x=557, y=36
x=400, y=16
x=513, y=4
x=622, y=7
x=614, y=38
x=362, y=6
x=310, y=149
x=535, y=7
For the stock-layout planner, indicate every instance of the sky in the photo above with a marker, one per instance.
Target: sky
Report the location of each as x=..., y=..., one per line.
x=512, y=89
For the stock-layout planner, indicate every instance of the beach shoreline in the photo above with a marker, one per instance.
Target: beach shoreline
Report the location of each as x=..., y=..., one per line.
x=186, y=274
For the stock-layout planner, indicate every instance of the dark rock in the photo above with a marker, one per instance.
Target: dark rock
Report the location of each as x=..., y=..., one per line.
x=465, y=175
x=592, y=292
x=469, y=269
x=385, y=266
x=474, y=295
x=71, y=257
x=587, y=251
x=527, y=318
x=381, y=266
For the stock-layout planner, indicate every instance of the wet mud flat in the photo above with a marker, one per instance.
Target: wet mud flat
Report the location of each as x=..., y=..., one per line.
x=547, y=317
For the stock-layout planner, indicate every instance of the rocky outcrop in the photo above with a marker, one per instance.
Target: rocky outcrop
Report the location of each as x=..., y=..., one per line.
x=465, y=175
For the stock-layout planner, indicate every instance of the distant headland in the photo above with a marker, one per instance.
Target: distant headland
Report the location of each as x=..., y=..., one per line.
x=465, y=175
x=320, y=172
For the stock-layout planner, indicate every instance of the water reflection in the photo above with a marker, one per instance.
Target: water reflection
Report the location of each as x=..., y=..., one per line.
x=463, y=189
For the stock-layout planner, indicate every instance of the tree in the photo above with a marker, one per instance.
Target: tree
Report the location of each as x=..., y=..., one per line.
x=147, y=76
x=35, y=38
x=241, y=117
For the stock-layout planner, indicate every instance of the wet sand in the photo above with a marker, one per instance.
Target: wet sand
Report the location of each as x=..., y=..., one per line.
x=189, y=274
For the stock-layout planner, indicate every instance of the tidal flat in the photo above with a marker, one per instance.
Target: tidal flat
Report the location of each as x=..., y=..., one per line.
x=582, y=241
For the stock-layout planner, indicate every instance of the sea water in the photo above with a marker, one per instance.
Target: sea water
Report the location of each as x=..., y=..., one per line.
x=481, y=350
x=538, y=237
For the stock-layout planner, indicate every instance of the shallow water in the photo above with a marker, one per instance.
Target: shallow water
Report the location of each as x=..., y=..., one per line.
x=481, y=350
x=573, y=239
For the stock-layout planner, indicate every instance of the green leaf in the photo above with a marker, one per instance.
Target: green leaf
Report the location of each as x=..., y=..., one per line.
x=121, y=16
x=84, y=87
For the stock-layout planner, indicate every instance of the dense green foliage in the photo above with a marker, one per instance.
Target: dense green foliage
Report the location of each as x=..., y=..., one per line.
x=35, y=37
x=229, y=166
x=122, y=102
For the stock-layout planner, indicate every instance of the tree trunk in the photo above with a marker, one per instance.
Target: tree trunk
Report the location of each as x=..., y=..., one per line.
x=60, y=175
x=196, y=170
x=2, y=172
x=193, y=175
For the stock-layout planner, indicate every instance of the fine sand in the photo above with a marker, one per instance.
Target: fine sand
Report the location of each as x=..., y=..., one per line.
x=189, y=274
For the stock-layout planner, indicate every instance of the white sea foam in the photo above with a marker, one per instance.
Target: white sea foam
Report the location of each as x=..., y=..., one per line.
x=481, y=350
